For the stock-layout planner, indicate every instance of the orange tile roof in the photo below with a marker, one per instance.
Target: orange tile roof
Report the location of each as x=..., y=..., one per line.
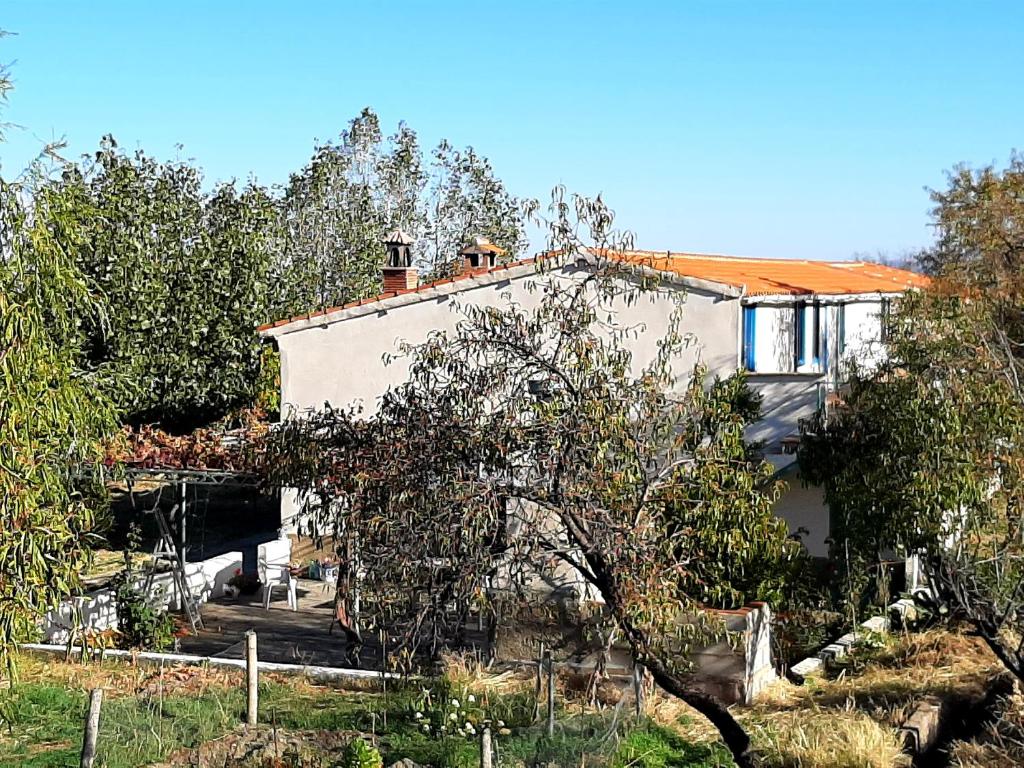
x=762, y=277
x=391, y=294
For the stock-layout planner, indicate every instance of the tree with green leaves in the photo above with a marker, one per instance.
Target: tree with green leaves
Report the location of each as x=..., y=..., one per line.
x=529, y=441
x=186, y=275
x=182, y=274
x=53, y=416
x=925, y=453
x=336, y=209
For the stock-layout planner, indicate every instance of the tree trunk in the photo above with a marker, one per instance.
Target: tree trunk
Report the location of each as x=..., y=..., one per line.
x=732, y=732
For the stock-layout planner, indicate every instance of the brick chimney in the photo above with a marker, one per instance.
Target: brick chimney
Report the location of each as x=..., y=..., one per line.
x=399, y=273
x=479, y=256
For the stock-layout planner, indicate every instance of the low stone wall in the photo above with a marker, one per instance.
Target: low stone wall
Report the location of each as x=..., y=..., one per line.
x=95, y=611
x=738, y=672
x=735, y=669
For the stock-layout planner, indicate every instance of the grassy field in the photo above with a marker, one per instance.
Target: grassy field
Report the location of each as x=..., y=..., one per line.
x=150, y=719
x=850, y=719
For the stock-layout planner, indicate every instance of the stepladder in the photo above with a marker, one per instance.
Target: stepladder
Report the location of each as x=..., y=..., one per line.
x=165, y=552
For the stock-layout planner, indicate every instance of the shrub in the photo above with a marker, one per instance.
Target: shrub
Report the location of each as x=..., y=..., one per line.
x=359, y=754
x=141, y=624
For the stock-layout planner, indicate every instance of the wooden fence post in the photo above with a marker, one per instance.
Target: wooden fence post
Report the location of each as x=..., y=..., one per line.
x=551, y=692
x=638, y=688
x=486, y=754
x=252, y=675
x=92, y=727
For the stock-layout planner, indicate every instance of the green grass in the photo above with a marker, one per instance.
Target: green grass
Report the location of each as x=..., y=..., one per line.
x=44, y=714
x=657, y=747
x=44, y=726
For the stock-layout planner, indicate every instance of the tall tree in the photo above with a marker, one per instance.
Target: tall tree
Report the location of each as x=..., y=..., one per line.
x=528, y=441
x=926, y=452
x=182, y=275
x=52, y=415
x=336, y=209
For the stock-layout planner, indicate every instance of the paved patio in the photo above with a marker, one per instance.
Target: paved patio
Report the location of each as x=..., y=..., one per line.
x=284, y=636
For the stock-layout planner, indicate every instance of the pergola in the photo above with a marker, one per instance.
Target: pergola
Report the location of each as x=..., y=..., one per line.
x=172, y=545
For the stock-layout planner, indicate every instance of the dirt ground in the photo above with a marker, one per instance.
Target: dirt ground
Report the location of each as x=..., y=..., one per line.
x=264, y=747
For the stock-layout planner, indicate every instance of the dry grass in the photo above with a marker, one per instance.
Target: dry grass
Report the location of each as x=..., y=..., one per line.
x=1001, y=742
x=853, y=719
x=119, y=678
x=816, y=738
x=106, y=563
x=887, y=682
x=464, y=671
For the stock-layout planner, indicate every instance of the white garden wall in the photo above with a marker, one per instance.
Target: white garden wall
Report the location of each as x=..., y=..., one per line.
x=95, y=612
x=737, y=675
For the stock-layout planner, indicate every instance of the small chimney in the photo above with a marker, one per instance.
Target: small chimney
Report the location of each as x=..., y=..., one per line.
x=479, y=256
x=399, y=273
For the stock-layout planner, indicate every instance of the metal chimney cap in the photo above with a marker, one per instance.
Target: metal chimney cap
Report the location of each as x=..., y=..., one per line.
x=398, y=237
x=480, y=244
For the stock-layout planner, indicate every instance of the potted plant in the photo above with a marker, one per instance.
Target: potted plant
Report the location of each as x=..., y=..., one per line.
x=329, y=570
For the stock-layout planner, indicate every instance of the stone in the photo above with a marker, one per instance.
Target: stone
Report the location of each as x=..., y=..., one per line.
x=807, y=668
x=832, y=651
x=878, y=624
x=921, y=729
x=847, y=640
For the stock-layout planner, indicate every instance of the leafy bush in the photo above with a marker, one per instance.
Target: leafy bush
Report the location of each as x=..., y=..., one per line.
x=141, y=624
x=359, y=754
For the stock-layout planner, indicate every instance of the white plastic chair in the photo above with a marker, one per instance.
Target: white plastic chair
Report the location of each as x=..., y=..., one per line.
x=273, y=565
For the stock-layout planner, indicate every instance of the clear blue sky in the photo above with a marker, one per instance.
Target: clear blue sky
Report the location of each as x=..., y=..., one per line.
x=760, y=128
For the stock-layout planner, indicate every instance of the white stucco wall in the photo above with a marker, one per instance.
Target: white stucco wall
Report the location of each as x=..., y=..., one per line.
x=803, y=506
x=786, y=399
x=343, y=363
x=862, y=322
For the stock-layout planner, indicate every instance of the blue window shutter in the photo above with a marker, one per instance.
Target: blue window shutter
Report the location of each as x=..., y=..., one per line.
x=749, y=334
x=801, y=313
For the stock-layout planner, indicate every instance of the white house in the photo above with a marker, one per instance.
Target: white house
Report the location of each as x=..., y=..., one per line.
x=790, y=323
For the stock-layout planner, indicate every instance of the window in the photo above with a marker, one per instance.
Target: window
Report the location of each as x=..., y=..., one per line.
x=883, y=335
x=841, y=330
x=749, y=317
x=818, y=340
x=799, y=335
